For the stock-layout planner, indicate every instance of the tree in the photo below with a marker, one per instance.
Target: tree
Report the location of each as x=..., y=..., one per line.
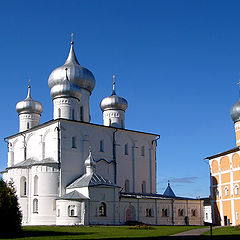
x=10, y=214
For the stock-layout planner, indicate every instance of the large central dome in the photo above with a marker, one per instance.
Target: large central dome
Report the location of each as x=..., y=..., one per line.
x=76, y=75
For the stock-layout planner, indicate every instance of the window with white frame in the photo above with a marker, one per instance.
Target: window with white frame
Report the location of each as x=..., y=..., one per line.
x=35, y=185
x=236, y=190
x=126, y=185
x=103, y=209
x=226, y=190
x=73, y=142
x=143, y=187
x=149, y=212
x=23, y=187
x=101, y=146
x=164, y=212
x=73, y=114
x=58, y=212
x=81, y=113
x=35, y=205
x=180, y=212
x=193, y=212
x=216, y=192
x=142, y=150
x=72, y=211
x=126, y=149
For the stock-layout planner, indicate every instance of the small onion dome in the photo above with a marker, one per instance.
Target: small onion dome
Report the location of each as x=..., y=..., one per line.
x=114, y=102
x=29, y=105
x=235, y=112
x=77, y=75
x=89, y=162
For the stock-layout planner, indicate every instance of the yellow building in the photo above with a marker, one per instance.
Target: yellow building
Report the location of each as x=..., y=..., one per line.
x=225, y=179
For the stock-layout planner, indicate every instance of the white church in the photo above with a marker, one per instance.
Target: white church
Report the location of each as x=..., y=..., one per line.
x=69, y=171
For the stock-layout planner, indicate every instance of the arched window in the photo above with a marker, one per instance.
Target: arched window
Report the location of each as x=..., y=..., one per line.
x=59, y=112
x=35, y=205
x=143, y=187
x=72, y=211
x=73, y=115
x=102, y=209
x=164, y=212
x=23, y=186
x=193, y=213
x=126, y=185
x=81, y=113
x=101, y=146
x=126, y=149
x=226, y=191
x=73, y=142
x=149, y=212
x=35, y=185
x=142, y=151
x=180, y=212
x=236, y=190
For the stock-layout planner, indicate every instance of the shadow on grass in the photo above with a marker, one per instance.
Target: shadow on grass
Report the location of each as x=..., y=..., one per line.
x=225, y=237
x=39, y=233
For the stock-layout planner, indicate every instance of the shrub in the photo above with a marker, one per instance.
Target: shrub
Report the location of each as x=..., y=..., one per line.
x=10, y=214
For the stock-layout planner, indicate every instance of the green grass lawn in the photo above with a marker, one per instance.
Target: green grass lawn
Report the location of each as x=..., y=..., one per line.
x=100, y=232
x=225, y=233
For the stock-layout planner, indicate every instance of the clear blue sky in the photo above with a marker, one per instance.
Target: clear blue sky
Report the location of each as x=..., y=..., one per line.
x=177, y=63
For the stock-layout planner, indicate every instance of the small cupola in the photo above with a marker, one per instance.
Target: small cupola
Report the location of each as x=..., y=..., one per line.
x=90, y=163
x=29, y=112
x=113, y=108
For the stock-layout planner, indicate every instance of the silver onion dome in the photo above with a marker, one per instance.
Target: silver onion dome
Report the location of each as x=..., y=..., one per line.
x=29, y=105
x=89, y=162
x=65, y=88
x=114, y=102
x=79, y=76
x=235, y=112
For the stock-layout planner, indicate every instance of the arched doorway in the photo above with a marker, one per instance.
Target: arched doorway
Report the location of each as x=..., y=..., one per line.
x=130, y=214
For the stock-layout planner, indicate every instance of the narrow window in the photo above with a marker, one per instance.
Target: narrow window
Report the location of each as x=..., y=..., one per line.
x=126, y=149
x=35, y=185
x=206, y=216
x=236, y=215
x=236, y=190
x=58, y=213
x=59, y=112
x=126, y=186
x=81, y=113
x=73, y=115
x=102, y=209
x=143, y=187
x=73, y=142
x=35, y=205
x=226, y=191
x=142, y=151
x=23, y=186
x=101, y=146
x=27, y=125
x=217, y=192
